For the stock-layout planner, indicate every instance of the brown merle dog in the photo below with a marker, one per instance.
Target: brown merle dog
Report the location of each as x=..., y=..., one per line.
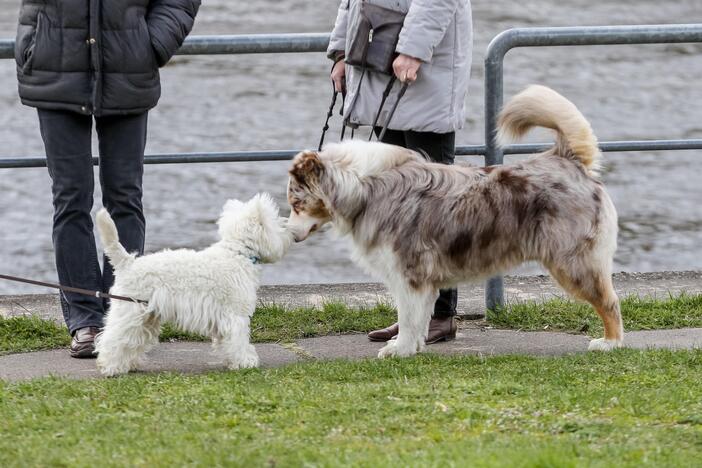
x=421, y=226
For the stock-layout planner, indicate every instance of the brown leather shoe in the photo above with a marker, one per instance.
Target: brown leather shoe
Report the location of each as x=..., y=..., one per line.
x=441, y=329
x=386, y=334
x=83, y=343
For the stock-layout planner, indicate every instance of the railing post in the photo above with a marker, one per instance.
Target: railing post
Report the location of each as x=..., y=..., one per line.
x=494, y=288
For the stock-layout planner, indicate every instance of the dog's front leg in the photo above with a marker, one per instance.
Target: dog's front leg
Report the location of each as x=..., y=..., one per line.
x=414, y=308
x=233, y=342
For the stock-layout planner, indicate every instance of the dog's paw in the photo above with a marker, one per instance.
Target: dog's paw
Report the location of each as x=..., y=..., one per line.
x=111, y=369
x=245, y=361
x=603, y=344
x=393, y=349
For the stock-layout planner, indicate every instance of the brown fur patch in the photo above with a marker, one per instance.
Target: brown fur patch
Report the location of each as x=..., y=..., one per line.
x=307, y=168
x=515, y=183
x=318, y=210
x=559, y=187
x=488, y=234
x=537, y=208
x=460, y=246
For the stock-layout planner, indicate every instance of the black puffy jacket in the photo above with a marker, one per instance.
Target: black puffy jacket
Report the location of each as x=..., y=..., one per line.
x=98, y=56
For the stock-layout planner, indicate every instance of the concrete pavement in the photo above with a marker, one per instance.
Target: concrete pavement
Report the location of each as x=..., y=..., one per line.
x=471, y=340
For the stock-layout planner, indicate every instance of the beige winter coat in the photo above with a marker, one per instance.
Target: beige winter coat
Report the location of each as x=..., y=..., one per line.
x=440, y=34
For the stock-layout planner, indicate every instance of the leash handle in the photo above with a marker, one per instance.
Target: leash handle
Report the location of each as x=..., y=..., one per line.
x=403, y=90
x=84, y=292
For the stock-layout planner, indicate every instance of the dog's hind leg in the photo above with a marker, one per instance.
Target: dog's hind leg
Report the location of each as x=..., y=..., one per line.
x=414, y=309
x=152, y=325
x=232, y=341
x=124, y=339
x=592, y=282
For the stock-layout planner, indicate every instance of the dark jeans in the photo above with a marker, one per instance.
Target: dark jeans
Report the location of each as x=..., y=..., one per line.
x=67, y=140
x=441, y=148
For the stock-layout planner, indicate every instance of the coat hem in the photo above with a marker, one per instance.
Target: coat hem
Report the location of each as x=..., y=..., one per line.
x=77, y=108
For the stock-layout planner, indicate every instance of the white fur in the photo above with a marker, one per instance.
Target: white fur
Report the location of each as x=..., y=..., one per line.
x=210, y=292
x=603, y=344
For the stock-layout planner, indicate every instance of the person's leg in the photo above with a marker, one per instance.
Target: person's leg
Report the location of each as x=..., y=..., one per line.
x=122, y=141
x=441, y=148
x=67, y=143
x=391, y=137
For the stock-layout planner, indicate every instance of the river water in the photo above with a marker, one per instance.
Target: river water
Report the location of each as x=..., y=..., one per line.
x=223, y=103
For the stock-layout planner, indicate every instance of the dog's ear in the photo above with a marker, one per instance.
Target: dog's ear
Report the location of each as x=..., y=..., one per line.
x=307, y=167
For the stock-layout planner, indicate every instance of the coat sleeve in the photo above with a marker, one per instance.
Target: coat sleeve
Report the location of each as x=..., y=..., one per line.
x=170, y=21
x=425, y=26
x=337, y=43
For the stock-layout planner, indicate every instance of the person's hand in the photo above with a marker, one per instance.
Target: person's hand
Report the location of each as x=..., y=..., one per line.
x=338, y=76
x=406, y=67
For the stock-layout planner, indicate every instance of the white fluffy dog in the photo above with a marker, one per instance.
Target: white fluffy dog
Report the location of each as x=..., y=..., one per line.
x=211, y=292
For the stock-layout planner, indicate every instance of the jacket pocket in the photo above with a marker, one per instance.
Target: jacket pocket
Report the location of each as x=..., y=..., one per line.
x=148, y=44
x=26, y=42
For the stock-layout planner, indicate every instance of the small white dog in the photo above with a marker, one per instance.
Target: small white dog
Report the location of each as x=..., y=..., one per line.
x=211, y=292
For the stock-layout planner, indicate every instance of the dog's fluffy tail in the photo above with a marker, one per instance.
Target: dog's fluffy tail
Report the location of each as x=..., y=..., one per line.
x=539, y=106
x=117, y=254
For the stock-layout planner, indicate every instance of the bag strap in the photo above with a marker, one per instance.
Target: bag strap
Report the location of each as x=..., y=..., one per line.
x=353, y=102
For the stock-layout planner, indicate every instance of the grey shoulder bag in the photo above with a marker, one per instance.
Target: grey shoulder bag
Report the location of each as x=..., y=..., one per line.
x=375, y=39
x=373, y=48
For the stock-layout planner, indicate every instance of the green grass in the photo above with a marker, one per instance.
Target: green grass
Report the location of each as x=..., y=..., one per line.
x=19, y=334
x=625, y=408
x=276, y=323
x=638, y=314
x=269, y=324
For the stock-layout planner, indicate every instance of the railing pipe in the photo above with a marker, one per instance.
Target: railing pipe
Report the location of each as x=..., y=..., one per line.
x=231, y=44
x=285, y=155
x=570, y=36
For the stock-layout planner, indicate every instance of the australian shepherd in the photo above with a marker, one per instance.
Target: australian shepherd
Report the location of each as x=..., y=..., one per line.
x=420, y=226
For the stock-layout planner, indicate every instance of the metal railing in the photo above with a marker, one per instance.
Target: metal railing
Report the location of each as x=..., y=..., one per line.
x=498, y=48
x=573, y=36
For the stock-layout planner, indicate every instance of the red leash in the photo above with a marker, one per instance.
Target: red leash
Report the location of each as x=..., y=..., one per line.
x=85, y=292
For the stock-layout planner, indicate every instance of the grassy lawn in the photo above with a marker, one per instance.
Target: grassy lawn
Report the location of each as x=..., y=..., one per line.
x=275, y=323
x=638, y=314
x=269, y=324
x=626, y=408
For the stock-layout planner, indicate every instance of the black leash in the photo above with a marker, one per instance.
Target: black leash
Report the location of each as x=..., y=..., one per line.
x=330, y=113
x=345, y=122
x=85, y=292
x=386, y=93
